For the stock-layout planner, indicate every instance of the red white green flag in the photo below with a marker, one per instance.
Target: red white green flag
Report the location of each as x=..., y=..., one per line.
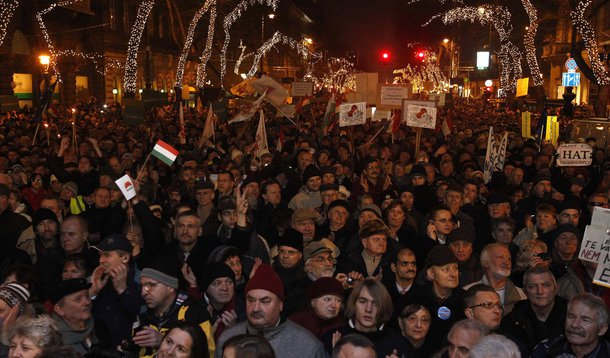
x=165, y=152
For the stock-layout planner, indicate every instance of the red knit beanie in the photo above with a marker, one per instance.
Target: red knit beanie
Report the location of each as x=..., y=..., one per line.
x=266, y=279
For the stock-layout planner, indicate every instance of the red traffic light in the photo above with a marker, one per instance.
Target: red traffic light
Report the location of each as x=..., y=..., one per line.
x=385, y=56
x=420, y=55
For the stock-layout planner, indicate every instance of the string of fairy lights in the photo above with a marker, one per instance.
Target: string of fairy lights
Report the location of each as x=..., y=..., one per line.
x=587, y=33
x=131, y=63
x=242, y=56
x=498, y=17
x=7, y=9
x=207, y=51
x=528, y=41
x=279, y=38
x=230, y=19
x=47, y=37
x=101, y=63
x=188, y=41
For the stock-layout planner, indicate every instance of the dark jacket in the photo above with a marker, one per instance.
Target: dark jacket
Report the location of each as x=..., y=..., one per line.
x=384, y=339
x=308, y=319
x=559, y=347
x=114, y=313
x=523, y=327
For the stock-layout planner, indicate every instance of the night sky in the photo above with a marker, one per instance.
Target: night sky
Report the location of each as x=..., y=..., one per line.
x=372, y=26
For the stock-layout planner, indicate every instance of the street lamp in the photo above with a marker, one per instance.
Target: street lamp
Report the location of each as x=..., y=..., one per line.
x=115, y=92
x=271, y=16
x=45, y=60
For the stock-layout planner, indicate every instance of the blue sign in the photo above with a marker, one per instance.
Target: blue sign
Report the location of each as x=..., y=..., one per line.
x=570, y=79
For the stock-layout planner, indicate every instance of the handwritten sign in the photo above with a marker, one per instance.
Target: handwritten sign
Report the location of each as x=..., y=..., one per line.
x=301, y=89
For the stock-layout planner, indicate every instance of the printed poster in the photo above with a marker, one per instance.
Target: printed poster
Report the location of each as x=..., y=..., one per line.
x=352, y=114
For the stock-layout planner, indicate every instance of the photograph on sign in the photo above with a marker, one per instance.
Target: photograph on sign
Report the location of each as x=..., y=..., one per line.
x=574, y=155
x=423, y=117
x=392, y=96
x=351, y=114
x=301, y=89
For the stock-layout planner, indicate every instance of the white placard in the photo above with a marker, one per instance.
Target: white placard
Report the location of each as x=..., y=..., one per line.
x=592, y=243
x=301, y=89
x=420, y=116
x=574, y=155
x=351, y=114
x=392, y=96
x=126, y=186
x=601, y=217
x=289, y=110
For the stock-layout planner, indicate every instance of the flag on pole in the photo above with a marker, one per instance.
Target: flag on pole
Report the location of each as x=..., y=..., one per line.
x=208, y=128
x=261, y=135
x=276, y=94
x=396, y=118
x=303, y=105
x=164, y=152
x=182, y=133
x=489, y=156
x=280, y=140
x=248, y=112
x=244, y=88
x=125, y=184
x=329, y=114
x=447, y=123
x=501, y=153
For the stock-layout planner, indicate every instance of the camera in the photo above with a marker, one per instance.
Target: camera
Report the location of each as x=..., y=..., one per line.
x=350, y=280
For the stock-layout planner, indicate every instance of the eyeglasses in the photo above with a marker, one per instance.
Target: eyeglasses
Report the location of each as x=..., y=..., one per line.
x=147, y=286
x=489, y=305
x=322, y=259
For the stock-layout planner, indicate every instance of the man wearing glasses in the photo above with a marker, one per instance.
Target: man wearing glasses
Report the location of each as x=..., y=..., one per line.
x=166, y=304
x=483, y=304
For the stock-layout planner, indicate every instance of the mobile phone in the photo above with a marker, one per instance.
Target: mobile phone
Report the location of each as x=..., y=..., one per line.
x=350, y=280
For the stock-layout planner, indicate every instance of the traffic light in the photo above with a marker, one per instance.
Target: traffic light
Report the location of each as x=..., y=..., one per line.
x=385, y=56
x=421, y=55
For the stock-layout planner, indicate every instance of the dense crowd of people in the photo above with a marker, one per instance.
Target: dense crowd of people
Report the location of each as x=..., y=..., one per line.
x=342, y=242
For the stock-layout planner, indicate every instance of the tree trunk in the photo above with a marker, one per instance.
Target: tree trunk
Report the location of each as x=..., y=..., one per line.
x=540, y=98
x=602, y=101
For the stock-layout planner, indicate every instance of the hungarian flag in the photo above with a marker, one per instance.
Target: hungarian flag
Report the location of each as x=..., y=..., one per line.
x=396, y=120
x=303, y=105
x=243, y=88
x=329, y=114
x=164, y=152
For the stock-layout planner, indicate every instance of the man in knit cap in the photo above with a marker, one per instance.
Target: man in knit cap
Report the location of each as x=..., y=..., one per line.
x=72, y=313
x=264, y=307
x=309, y=195
x=165, y=304
x=325, y=297
x=218, y=284
x=289, y=267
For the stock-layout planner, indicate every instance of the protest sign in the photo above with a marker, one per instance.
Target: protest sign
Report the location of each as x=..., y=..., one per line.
x=574, y=155
x=391, y=96
x=591, y=243
x=301, y=89
x=126, y=186
x=351, y=114
x=420, y=116
x=526, y=124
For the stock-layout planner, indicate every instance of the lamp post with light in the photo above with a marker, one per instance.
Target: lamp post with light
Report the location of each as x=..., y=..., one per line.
x=45, y=61
x=271, y=16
